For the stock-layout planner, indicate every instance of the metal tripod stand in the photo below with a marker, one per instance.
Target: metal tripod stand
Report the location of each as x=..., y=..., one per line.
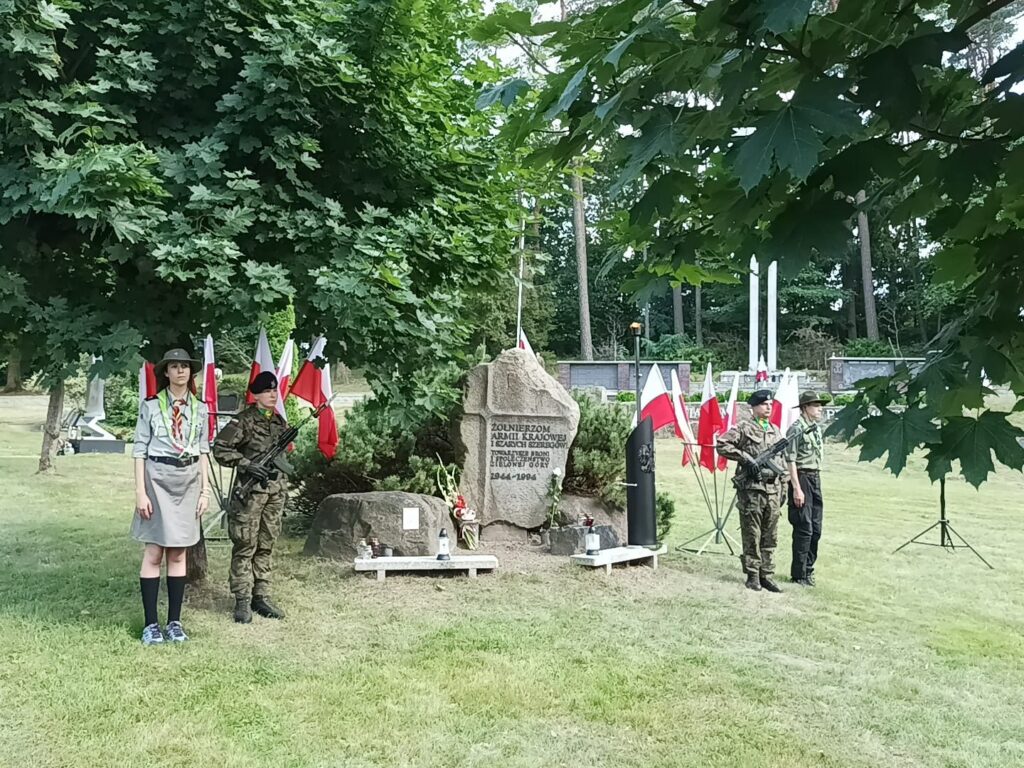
x=717, y=533
x=946, y=531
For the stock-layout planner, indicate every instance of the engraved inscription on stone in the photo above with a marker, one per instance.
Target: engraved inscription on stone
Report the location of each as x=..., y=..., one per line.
x=517, y=429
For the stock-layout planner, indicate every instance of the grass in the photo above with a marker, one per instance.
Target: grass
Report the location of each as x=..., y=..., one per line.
x=912, y=659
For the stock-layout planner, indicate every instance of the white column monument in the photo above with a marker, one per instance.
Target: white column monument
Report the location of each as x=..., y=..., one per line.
x=772, y=310
x=755, y=314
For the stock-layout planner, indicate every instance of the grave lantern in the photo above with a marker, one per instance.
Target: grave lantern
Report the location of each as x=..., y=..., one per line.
x=593, y=541
x=442, y=545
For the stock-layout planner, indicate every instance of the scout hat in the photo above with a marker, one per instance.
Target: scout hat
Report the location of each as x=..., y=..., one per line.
x=759, y=397
x=262, y=382
x=813, y=398
x=176, y=356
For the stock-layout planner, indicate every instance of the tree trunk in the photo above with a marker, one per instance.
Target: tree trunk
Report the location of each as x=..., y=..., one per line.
x=867, y=274
x=14, y=380
x=582, y=273
x=677, y=311
x=850, y=299
x=51, y=430
x=698, y=326
x=196, y=565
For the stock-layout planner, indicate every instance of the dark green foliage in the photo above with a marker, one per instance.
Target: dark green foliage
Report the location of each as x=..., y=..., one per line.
x=597, y=458
x=679, y=347
x=168, y=169
x=753, y=126
x=867, y=348
x=374, y=453
x=665, y=510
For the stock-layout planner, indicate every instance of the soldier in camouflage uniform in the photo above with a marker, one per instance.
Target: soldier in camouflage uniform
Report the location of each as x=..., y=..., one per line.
x=758, y=500
x=254, y=524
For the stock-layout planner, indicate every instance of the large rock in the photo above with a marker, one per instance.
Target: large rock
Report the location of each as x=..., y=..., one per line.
x=572, y=508
x=517, y=427
x=345, y=518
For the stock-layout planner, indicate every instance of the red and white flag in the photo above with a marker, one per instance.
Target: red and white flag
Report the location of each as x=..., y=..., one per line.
x=210, y=383
x=147, y=382
x=262, y=361
x=313, y=385
x=524, y=342
x=709, y=426
x=655, y=401
x=761, y=375
x=784, y=403
x=732, y=409
x=284, y=376
x=683, y=428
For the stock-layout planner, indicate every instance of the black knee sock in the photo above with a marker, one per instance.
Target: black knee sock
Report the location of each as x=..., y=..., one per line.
x=150, y=593
x=175, y=594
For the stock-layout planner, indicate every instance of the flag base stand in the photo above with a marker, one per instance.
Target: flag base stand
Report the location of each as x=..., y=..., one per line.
x=945, y=529
x=717, y=533
x=215, y=522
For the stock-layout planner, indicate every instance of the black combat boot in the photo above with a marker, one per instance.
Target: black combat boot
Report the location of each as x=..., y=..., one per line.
x=242, y=613
x=266, y=609
x=753, y=582
x=768, y=583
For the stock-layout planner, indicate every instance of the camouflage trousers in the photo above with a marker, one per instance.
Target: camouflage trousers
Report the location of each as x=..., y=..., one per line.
x=253, y=528
x=759, y=525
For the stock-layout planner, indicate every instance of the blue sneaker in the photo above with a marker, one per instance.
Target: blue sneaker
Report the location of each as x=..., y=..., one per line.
x=152, y=635
x=175, y=632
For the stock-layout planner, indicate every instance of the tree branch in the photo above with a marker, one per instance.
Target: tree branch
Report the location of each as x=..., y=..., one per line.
x=530, y=55
x=981, y=14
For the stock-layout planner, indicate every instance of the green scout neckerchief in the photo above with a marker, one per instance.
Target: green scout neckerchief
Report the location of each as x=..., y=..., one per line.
x=193, y=419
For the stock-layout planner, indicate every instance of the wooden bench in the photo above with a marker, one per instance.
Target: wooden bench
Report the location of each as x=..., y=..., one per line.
x=468, y=563
x=606, y=558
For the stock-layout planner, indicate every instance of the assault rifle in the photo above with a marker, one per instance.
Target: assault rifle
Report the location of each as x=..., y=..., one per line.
x=271, y=462
x=751, y=471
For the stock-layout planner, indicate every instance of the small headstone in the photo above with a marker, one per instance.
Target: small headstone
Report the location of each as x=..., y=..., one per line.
x=572, y=539
x=518, y=425
x=575, y=508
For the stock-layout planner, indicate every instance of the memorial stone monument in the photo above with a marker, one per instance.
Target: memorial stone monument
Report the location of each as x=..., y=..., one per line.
x=517, y=427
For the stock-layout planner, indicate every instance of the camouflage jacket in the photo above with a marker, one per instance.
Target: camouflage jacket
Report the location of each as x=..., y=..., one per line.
x=747, y=440
x=246, y=436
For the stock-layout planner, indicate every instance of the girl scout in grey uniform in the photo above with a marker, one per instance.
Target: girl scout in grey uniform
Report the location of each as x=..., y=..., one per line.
x=171, y=450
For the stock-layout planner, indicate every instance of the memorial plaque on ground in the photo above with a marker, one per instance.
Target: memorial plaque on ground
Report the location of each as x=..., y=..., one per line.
x=517, y=427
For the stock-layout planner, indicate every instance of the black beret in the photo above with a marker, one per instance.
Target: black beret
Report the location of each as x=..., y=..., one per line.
x=263, y=381
x=759, y=397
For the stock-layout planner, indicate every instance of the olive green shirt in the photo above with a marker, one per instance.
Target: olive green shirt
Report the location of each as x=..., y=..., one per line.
x=808, y=450
x=746, y=441
x=153, y=430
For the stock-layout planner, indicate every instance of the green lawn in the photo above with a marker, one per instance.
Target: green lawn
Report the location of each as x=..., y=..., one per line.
x=913, y=659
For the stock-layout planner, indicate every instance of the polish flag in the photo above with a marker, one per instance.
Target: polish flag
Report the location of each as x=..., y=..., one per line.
x=284, y=376
x=210, y=383
x=147, y=382
x=262, y=361
x=524, y=342
x=655, y=401
x=761, y=376
x=709, y=426
x=313, y=385
x=784, y=403
x=732, y=412
x=683, y=428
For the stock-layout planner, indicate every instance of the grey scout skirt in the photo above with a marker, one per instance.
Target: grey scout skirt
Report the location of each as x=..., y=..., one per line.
x=174, y=494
